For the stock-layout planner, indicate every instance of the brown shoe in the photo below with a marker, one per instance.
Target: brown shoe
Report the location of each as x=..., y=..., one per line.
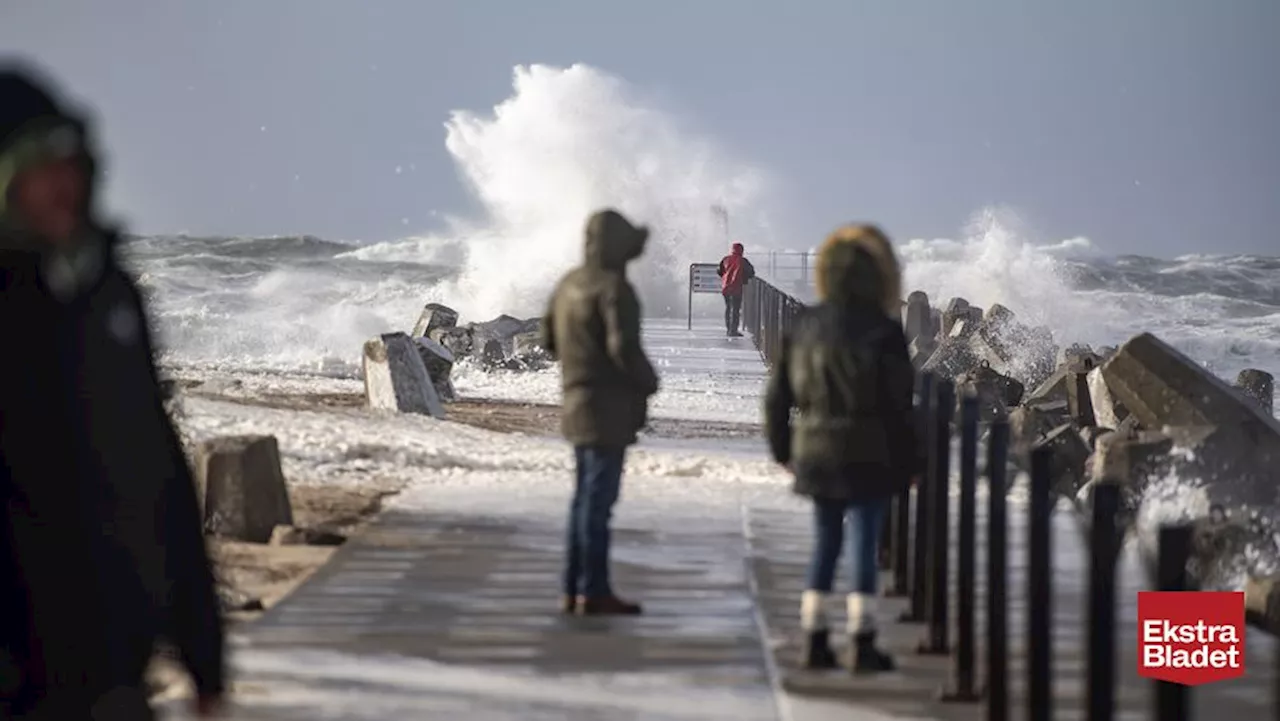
x=607, y=606
x=568, y=604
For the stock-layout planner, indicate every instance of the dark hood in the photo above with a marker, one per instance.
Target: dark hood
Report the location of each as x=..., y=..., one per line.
x=36, y=127
x=736, y=249
x=612, y=241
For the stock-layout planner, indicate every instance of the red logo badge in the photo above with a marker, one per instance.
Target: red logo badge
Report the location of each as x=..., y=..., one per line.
x=1190, y=637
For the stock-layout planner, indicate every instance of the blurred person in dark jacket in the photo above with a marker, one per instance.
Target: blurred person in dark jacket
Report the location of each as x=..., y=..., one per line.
x=592, y=327
x=845, y=373
x=101, y=547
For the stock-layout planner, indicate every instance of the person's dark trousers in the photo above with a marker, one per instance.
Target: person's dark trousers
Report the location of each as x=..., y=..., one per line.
x=732, y=312
x=599, y=479
x=864, y=519
x=122, y=704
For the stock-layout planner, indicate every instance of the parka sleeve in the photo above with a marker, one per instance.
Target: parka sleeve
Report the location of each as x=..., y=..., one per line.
x=197, y=627
x=898, y=378
x=195, y=620
x=547, y=328
x=620, y=309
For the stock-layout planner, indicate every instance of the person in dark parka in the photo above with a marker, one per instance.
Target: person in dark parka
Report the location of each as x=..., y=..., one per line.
x=852, y=445
x=101, y=547
x=592, y=327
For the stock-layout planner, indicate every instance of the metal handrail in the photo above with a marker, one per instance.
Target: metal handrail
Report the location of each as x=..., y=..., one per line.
x=768, y=314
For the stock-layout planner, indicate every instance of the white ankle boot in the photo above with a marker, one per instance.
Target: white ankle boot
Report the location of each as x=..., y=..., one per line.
x=815, y=652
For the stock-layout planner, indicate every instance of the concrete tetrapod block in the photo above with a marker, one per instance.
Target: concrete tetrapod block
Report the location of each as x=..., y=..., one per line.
x=921, y=350
x=996, y=393
x=435, y=317
x=457, y=340
x=1107, y=411
x=527, y=353
x=1262, y=602
x=1161, y=386
x=1065, y=385
x=919, y=317
x=1225, y=551
x=1079, y=358
x=1029, y=425
x=1259, y=386
x=1133, y=462
x=1233, y=445
x=1079, y=403
x=1053, y=389
x=527, y=345
x=953, y=355
x=241, y=487
x=1069, y=456
x=438, y=361
x=502, y=329
x=957, y=309
x=396, y=379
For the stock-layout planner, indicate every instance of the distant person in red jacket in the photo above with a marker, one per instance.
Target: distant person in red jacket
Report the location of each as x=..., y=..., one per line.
x=735, y=270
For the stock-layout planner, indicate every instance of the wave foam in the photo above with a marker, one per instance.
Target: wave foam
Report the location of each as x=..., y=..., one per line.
x=567, y=142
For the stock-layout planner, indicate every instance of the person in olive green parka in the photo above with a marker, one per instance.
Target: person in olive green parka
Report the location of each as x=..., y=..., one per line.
x=592, y=327
x=839, y=414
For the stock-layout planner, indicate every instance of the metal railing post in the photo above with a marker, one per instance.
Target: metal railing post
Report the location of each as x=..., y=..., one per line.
x=997, y=573
x=964, y=689
x=938, y=535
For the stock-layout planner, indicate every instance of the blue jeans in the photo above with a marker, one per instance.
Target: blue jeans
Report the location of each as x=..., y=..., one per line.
x=599, y=480
x=829, y=519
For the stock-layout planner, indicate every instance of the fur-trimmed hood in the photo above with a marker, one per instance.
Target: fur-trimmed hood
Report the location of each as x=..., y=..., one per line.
x=856, y=264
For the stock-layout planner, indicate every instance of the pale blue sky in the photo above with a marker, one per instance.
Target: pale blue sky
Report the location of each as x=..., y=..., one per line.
x=1147, y=125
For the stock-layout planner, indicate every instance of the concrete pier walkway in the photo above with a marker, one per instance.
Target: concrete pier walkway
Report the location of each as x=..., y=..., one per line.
x=452, y=613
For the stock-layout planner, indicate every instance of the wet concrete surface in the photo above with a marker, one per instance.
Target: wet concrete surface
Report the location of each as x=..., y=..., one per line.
x=482, y=594
x=779, y=555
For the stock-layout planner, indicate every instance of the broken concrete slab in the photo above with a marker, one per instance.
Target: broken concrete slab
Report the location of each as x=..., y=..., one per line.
x=241, y=487
x=396, y=379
